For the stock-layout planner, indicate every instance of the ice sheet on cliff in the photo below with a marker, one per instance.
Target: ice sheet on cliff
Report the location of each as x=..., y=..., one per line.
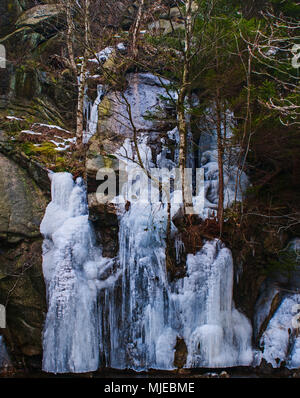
x=133, y=321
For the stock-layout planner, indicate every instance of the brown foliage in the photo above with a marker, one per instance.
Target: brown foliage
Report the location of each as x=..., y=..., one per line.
x=193, y=230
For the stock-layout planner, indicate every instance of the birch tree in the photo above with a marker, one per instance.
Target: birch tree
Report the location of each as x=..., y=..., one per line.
x=136, y=28
x=78, y=11
x=183, y=92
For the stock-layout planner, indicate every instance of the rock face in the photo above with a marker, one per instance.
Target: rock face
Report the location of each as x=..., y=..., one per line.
x=21, y=203
x=140, y=99
x=9, y=11
x=30, y=33
x=22, y=290
x=26, y=97
x=39, y=16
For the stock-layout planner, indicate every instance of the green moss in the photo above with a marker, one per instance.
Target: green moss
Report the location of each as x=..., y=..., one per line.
x=61, y=164
x=47, y=149
x=104, y=109
x=92, y=154
x=12, y=127
x=107, y=162
x=47, y=155
x=28, y=148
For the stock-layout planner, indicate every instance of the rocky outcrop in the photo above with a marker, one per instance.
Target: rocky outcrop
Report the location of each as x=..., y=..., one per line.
x=21, y=203
x=35, y=170
x=40, y=17
x=28, y=95
x=23, y=293
x=22, y=290
x=30, y=33
x=9, y=12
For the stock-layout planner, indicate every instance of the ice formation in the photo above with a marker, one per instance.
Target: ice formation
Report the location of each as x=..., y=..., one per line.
x=153, y=312
x=208, y=159
x=216, y=333
x=91, y=113
x=71, y=262
x=130, y=315
x=280, y=342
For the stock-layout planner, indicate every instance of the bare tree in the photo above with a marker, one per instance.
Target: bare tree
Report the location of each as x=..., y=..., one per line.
x=83, y=71
x=78, y=12
x=136, y=28
x=183, y=92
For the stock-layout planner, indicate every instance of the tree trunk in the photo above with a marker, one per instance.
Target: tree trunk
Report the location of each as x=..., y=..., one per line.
x=184, y=89
x=220, y=162
x=82, y=78
x=80, y=104
x=70, y=33
x=137, y=29
x=220, y=143
x=182, y=148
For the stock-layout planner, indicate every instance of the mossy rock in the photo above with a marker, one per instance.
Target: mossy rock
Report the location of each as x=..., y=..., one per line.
x=22, y=204
x=104, y=109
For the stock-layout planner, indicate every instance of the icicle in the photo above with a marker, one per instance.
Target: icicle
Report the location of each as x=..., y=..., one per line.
x=216, y=334
x=70, y=264
x=92, y=120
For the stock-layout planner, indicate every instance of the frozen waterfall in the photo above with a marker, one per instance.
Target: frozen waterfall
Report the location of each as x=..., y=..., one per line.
x=70, y=265
x=280, y=341
x=124, y=312
x=90, y=113
x=132, y=319
x=139, y=329
x=217, y=334
x=153, y=313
